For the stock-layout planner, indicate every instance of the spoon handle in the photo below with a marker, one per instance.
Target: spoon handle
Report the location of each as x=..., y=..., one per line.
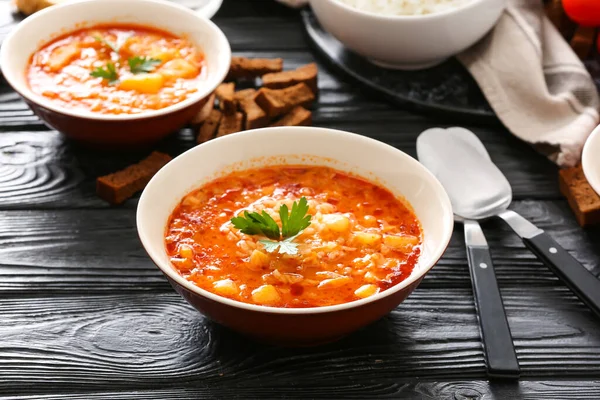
x=497, y=341
x=581, y=281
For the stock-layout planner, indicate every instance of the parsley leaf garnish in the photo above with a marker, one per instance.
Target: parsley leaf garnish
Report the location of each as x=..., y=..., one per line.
x=255, y=224
x=286, y=246
x=270, y=246
x=137, y=64
x=292, y=224
x=142, y=64
x=109, y=73
x=111, y=45
x=297, y=220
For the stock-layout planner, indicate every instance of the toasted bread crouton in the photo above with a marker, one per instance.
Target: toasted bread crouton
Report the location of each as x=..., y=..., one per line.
x=299, y=116
x=244, y=94
x=231, y=123
x=582, y=198
x=117, y=187
x=209, y=127
x=224, y=94
x=248, y=68
x=306, y=74
x=281, y=101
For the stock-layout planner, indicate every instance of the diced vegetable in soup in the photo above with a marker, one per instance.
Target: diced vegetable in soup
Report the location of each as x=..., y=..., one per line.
x=293, y=236
x=117, y=69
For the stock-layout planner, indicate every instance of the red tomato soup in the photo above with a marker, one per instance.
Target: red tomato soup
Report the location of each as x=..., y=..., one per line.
x=116, y=69
x=361, y=239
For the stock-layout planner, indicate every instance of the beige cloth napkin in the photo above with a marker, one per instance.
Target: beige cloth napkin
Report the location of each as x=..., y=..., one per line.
x=535, y=83
x=532, y=79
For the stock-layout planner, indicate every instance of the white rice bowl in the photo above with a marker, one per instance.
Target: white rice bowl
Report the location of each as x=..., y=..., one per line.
x=405, y=7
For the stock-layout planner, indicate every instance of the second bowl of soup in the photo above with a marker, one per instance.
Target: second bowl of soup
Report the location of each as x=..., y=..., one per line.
x=116, y=73
x=294, y=235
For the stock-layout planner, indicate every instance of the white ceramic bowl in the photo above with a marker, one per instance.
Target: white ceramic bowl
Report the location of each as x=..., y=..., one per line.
x=408, y=42
x=125, y=130
x=590, y=160
x=345, y=151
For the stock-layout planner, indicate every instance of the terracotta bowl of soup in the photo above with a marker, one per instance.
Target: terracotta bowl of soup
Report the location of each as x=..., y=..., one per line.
x=372, y=222
x=115, y=74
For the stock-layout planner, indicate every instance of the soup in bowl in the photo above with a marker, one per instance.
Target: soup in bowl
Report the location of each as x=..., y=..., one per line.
x=116, y=73
x=117, y=69
x=294, y=235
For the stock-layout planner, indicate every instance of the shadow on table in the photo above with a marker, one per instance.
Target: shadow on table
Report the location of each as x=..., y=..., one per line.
x=387, y=344
x=96, y=163
x=379, y=332
x=384, y=356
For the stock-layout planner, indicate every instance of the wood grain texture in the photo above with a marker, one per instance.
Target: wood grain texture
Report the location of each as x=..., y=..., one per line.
x=14, y=113
x=56, y=173
x=99, y=251
x=84, y=314
x=41, y=169
x=423, y=390
x=148, y=341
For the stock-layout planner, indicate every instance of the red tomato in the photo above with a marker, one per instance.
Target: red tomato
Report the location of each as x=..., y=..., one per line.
x=584, y=12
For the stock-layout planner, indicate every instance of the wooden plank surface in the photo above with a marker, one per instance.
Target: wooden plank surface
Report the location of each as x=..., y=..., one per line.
x=39, y=169
x=429, y=390
x=149, y=341
x=84, y=314
x=59, y=251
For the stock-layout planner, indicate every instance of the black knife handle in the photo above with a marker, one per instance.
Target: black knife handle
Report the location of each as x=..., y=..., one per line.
x=498, y=345
x=581, y=281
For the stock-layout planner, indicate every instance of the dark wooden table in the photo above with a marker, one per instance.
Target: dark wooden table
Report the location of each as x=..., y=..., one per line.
x=85, y=314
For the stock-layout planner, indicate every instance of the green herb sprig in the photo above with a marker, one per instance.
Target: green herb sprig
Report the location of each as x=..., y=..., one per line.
x=292, y=224
x=142, y=64
x=109, y=73
x=137, y=64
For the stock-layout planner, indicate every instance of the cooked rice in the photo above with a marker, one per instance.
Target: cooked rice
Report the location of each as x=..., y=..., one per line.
x=405, y=7
x=316, y=242
x=361, y=239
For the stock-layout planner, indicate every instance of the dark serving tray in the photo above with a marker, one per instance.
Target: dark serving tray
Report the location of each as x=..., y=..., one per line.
x=447, y=88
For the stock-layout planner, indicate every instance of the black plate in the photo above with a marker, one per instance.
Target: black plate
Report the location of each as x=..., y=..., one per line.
x=445, y=88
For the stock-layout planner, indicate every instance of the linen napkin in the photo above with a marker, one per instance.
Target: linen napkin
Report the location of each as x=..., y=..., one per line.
x=534, y=82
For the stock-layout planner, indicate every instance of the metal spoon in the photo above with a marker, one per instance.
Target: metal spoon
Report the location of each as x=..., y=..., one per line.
x=463, y=164
x=437, y=149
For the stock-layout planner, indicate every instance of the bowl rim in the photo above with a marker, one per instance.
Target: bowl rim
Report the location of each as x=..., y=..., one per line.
x=587, y=159
x=167, y=269
x=202, y=92
x=418, y=17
